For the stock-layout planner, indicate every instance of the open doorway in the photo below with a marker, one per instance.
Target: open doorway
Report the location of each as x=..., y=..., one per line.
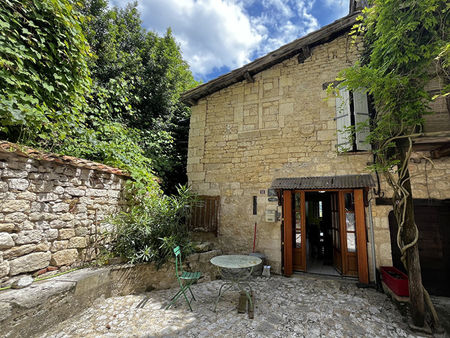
x=324, y=232
x=321, y=226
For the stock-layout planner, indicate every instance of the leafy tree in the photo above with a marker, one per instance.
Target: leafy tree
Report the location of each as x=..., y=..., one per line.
x=152, y=75
x=406, y=46
x=43, y=69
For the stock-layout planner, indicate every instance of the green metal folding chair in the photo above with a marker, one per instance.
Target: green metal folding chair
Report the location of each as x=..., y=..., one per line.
x=185, y=280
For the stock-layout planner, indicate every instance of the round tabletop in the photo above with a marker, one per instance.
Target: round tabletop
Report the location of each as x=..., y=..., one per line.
x=235, y=261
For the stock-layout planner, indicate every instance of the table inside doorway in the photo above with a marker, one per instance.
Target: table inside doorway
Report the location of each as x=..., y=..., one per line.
x=243, y=266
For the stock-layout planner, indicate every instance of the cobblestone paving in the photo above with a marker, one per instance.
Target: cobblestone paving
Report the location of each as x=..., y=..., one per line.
x=303, y=305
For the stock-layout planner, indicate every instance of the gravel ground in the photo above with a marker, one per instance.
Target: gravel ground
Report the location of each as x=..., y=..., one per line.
x=303, y=305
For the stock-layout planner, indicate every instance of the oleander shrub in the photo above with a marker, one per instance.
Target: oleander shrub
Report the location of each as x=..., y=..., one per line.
x=153, y=225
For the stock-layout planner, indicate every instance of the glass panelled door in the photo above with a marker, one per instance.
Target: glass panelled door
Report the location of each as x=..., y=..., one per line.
x=348, y=230
x=336, y=232
x=299, y=231
x=347, y=216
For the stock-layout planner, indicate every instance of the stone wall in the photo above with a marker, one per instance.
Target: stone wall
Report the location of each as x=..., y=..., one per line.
x=281, y=125
x=429, y=181
x=28, y=312
x=50, y=210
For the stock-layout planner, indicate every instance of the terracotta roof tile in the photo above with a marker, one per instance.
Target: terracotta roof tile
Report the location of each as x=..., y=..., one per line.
x=21, y=150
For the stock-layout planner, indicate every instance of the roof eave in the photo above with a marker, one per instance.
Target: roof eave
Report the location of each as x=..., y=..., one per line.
x=287, y=51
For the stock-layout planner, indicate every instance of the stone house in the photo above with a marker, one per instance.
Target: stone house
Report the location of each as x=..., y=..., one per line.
x=263, y=152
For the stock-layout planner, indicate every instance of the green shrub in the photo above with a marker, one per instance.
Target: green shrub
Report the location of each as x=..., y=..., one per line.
x=152, y=226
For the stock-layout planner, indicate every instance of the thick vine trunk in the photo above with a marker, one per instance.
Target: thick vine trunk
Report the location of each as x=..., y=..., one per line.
x=408, y=235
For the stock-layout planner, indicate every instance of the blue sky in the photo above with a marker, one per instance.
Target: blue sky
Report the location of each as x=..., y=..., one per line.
x=217, y=36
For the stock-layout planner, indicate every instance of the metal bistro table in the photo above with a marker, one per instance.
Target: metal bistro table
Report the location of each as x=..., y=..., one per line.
x=244, y=267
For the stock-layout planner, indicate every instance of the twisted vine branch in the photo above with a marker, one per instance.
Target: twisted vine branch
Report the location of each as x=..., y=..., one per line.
x=397, y=180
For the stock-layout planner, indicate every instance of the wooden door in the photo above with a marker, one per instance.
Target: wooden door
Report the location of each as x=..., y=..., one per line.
x=287, y=236
x=336, y=232
x=348, y=232
x=294, y=237
x=299, y=231
x=361, y=237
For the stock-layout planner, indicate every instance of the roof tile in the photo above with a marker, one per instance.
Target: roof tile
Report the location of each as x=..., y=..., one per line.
x=21, y=150
x=324, y=182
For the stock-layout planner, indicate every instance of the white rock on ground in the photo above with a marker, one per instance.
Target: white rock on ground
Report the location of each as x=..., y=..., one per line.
x=299, y=306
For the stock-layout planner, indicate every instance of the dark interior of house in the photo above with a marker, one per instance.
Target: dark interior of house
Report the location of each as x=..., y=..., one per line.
x=319, y=233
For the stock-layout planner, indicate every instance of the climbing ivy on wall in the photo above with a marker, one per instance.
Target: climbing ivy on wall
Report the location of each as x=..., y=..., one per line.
x=84, y=79
x=43, y=69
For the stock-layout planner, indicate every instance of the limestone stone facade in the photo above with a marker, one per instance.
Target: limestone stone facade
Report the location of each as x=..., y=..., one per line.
x=283, y=124
x=50, y=210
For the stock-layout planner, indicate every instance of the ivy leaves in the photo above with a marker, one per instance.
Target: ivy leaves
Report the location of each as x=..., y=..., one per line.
x=403, y=41
x=89, y=81
x=43, y=69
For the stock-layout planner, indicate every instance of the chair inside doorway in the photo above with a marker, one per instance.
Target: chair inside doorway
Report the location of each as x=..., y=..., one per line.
x=320, y=231
x=324, y=232
x=336, y=202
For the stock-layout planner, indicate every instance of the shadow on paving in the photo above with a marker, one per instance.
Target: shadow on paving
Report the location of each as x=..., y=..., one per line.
x=442, y=305
x=298, y=306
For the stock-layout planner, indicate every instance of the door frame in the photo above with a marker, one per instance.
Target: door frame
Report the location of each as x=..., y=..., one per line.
x=361, y=235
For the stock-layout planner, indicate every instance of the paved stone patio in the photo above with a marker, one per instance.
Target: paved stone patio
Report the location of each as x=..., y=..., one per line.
x=303, y=305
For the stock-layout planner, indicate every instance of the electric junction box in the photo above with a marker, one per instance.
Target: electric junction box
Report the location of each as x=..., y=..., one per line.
x=271, y=215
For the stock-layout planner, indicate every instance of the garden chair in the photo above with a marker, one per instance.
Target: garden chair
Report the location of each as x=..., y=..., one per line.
x=185, y=280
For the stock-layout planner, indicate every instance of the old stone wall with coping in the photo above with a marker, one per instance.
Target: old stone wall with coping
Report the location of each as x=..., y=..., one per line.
x=51, y=208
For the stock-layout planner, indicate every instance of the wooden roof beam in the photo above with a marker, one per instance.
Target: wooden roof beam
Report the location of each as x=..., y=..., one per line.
x=190, y=102
x=249, y=77
x=440, y=152
x=305, y=53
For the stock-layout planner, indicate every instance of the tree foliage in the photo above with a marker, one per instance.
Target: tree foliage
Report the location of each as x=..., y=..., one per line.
x=89, y=81
x=151, y=74
x=43, y=69
x=153, y=227
x=403, y=42
x=406, y=45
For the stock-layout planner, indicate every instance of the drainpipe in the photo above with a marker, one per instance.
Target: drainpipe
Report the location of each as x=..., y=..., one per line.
x=372, y=235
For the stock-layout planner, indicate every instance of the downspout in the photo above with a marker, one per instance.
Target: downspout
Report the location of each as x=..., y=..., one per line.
x=372, y=239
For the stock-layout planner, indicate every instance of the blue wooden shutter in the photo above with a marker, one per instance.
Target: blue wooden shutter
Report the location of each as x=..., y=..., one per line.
x=343, y=120
x=361, y=111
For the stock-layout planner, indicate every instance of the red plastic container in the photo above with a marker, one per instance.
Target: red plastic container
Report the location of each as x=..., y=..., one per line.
x=395, y=280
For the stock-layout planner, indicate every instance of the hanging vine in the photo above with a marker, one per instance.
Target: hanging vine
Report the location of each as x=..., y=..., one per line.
x=406, y=46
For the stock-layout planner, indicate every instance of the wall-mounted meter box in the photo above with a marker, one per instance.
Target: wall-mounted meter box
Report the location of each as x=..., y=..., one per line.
x=271, y=215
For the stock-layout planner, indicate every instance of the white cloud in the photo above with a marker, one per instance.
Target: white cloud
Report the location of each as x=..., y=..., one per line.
x=340, y=7
x=212, y=33
x=227, y=34
x=286, y=25
x=282, y=8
